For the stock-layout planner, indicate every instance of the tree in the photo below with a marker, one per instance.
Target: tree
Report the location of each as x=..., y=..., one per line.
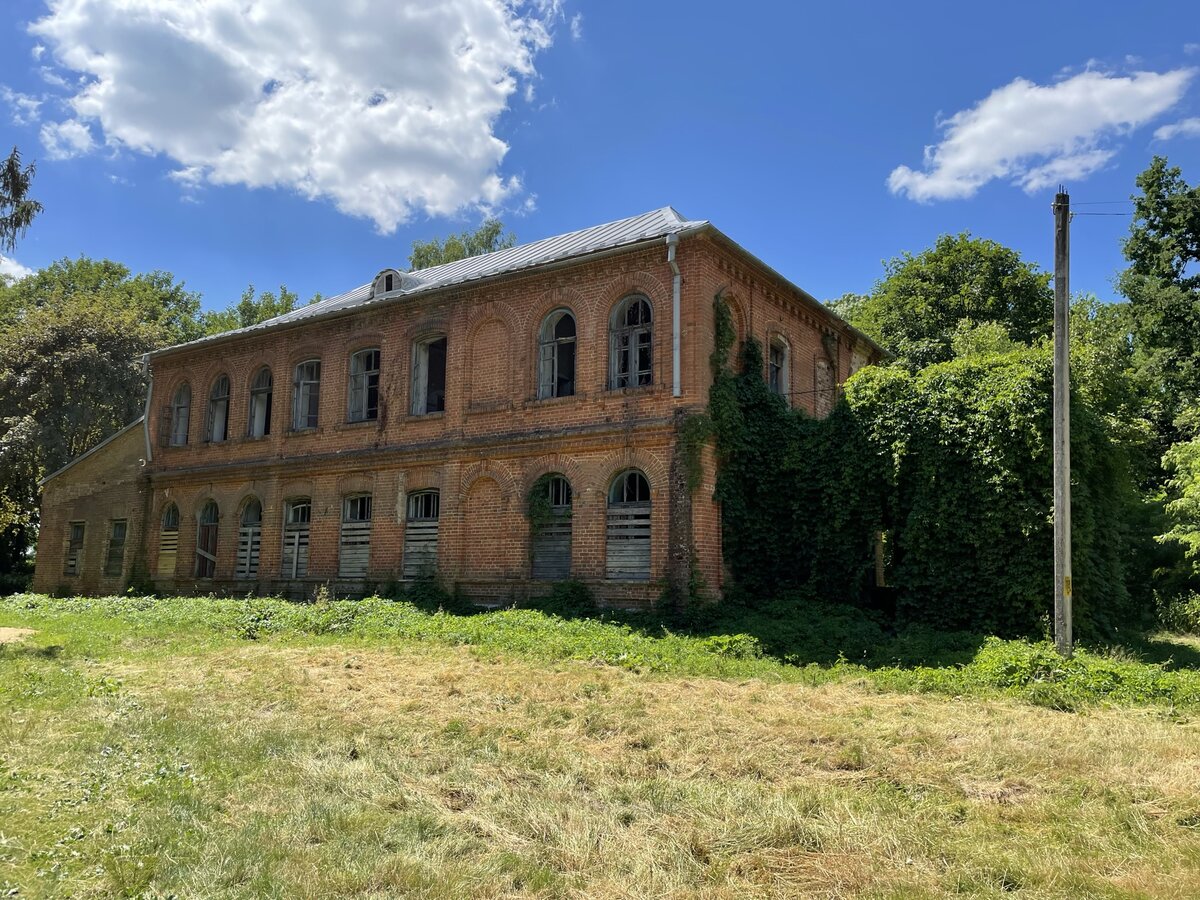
x=17, y=211
x=488, y=237
x=1163, y=287
x=250, y=310
x=915, y=309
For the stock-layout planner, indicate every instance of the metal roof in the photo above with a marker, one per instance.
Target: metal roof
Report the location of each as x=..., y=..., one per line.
x=648, y=226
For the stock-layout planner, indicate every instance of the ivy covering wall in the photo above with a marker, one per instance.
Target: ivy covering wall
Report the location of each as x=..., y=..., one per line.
x=952, y=463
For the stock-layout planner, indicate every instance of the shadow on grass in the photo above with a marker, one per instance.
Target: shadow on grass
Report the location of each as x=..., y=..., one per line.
x=30, y=651
x=1157, y=648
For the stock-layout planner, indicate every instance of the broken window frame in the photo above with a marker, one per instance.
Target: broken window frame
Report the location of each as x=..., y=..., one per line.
x=364, y=385
x=73, y=555
x=259, y=417
x=627, y=539
x=550, y=540
x=114, y=557
x=168, y=541
x=207, y=525
x=306, y=395
x=354, y=541
x=631, y=344
x=428, y=384
x=556, y=353
x=216, y=428
x=779, y=367
x=181, y=413
x=421, y=528
x=249, y=538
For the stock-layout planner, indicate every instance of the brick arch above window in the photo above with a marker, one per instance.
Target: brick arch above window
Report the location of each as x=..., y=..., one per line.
x=488, y=469
x=553, y=464
x=357, y=483
x=607, y=468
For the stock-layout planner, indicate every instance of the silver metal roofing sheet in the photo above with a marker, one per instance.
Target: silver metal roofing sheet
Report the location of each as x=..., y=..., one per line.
x=654, y=224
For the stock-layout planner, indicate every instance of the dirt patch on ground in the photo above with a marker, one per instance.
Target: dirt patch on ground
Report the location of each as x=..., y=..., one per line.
x=13, y=635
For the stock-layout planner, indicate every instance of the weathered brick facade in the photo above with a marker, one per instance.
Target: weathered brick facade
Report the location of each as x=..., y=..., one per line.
x=482, y=453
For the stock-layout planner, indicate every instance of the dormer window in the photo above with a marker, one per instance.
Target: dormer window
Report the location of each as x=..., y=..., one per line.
x=389, y=282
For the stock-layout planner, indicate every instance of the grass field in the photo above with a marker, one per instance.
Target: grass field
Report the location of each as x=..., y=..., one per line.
x=202, y=748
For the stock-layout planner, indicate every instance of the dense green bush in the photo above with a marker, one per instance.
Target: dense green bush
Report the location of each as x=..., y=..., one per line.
x=953, y=464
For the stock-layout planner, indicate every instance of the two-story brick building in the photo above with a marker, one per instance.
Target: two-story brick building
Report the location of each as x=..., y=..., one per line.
x=503, y=421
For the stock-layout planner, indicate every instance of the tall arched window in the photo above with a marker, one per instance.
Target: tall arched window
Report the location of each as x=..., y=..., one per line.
x=779, y=368
x=249, y=539
x=364, y=385
x=218, y=410
x=306, y=395
x=354, y=554
x=429, y=376
x=627, y=538
x=550, y=526
x=168, y=541
x=206, y=541
x=260, y=404
x=556, y=355
x=181, y=412
x=296, y=523
x=421, y=533
x=630, y=344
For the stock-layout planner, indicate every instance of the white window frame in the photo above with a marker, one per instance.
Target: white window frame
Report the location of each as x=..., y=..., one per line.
x=306, y=395
x=364, y=385
x=181, y=414
x=551, y=348
x=217, y=425
x=259, y=419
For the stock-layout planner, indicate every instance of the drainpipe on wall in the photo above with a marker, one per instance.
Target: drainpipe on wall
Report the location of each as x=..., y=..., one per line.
x=672, y=243
x=146, y=414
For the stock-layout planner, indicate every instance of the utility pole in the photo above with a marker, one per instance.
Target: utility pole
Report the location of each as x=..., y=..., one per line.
x=1062, y=424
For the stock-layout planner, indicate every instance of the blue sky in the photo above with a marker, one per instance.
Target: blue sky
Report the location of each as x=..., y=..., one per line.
x=309, y=143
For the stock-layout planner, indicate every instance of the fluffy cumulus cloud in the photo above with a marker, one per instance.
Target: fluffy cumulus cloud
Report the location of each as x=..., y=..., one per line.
x=12, y=270
x=1182, y=128
x=383, y=107
x=64, y=140
x=1038, y=135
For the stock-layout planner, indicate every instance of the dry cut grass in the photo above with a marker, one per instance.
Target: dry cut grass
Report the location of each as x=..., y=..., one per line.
x=248, y=770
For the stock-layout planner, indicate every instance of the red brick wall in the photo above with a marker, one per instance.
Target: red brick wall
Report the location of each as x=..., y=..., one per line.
x=495, y=437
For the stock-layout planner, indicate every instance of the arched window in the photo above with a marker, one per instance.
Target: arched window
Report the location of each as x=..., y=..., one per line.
x=355, y=552
x=249, y=539
x=260, y=404
x=168, y=541
x=779, y=368
x=218, y=410
x=179, y=415
x=550, y=538
x=364, y=385
x=306, y=395
x=556, y=355
x=429, y=376
x=206, y=541
x=630, y=344
x=421, y=533
x=297, y=517
x=627, y=538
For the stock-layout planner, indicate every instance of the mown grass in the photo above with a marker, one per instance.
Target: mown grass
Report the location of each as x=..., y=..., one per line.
x=226, y=748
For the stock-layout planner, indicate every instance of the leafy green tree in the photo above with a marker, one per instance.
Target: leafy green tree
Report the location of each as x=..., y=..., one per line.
x=250, y=310
x=17, y=210
x=1162, y=283
x=488, y=237
x=917, y=306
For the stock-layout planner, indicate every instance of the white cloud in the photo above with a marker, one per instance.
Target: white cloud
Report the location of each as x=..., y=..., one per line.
x=1035, y=135
x=13, y=269
x=577, y=27
x=37, y=51
x=64, y=140
x=24, y=107
x=384, y=108
x=1185, y=127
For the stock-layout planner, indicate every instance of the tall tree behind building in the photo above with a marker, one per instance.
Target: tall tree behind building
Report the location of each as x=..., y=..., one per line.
x=487, y=238
x=17, y=209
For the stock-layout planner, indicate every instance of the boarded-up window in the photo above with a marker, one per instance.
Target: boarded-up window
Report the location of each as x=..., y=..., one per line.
x=168, y=541
x=260, y=404
x=421, y=534
x=627, y=539
x=556, y=355
x=429, y=376
x=550, y=509
x=630, y=344
x=249, y=539
x=296, y=524
x=218, y=411
x=355, y=550
x=73, y=555
x=306, y=395
x=114, y=559
x=364, y=386
x=206, y=541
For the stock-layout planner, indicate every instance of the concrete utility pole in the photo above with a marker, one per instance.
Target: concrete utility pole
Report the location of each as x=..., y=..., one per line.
x=1062, y=424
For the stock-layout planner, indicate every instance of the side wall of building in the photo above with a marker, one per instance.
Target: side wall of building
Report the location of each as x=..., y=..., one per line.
x=100, y=489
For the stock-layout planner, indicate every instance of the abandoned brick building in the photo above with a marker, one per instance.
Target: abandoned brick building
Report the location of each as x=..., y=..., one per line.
x=424, y=421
